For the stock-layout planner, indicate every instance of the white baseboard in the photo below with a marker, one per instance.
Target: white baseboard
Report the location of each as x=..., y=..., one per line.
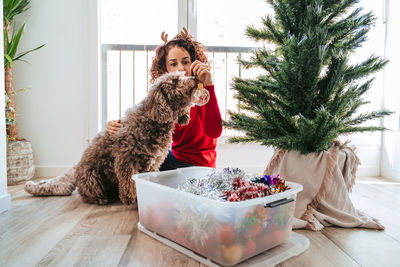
x=391, y=173
x=5, y=202
x=50, y=171
x=368, y=170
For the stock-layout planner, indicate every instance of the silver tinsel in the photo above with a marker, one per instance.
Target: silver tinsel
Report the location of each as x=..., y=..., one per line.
x=214, y=184
x=198, y=220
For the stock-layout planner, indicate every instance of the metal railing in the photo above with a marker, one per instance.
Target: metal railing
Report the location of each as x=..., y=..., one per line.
x=125, y=75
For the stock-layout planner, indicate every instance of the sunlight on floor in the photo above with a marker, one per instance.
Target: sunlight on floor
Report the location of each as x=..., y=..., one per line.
x=375, y=180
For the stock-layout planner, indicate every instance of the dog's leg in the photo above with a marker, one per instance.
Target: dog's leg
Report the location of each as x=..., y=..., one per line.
x=91, y=187
x=126, y=185
x=155, y=164
x=62, y=185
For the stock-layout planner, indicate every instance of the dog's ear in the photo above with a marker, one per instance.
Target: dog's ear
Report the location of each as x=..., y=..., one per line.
x=160, y=110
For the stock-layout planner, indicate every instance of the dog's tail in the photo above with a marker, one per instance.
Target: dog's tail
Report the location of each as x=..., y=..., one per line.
x=62, y=185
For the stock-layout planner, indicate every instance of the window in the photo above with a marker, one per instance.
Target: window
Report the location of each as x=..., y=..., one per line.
x=130, y=31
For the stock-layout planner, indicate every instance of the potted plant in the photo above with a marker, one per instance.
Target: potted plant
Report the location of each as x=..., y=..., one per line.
x=20, y=165
x=308, y=96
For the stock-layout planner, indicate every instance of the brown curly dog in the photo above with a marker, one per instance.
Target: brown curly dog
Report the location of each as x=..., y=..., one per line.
x=107, y=165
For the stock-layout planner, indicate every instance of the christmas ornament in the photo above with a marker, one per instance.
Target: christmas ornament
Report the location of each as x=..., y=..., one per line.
x=232, y=254
x=277, y=236
x=225, y=234
x=201, y=96
x=249, y=248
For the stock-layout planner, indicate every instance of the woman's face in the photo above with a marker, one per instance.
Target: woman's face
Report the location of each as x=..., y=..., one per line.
x=178, y=59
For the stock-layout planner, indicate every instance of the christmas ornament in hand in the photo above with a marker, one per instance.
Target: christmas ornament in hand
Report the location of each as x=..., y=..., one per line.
x=201, y=96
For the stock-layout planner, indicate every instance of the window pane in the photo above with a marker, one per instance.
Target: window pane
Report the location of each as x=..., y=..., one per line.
x=137, y=22
x=223, y=23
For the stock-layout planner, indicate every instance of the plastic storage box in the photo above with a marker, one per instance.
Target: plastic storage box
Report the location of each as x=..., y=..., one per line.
x=224, y=232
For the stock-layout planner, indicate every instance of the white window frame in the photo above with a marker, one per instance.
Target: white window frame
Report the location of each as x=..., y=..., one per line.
x=187, y=16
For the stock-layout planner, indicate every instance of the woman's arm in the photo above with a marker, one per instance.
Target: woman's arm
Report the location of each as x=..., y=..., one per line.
x=212, y=118
x=210, y=112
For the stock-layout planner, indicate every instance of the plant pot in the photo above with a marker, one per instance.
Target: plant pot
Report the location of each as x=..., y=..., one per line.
x=20, y=164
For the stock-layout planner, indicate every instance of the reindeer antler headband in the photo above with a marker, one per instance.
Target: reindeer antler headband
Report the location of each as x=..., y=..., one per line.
x=184, y=32
x=164, y=37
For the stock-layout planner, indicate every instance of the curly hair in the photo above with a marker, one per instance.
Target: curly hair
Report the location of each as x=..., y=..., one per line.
x=196, y=50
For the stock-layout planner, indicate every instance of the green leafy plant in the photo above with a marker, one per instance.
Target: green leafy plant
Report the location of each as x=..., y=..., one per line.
x=12, y=39
x=309, y=94
x=10, y=53
x=11, y=8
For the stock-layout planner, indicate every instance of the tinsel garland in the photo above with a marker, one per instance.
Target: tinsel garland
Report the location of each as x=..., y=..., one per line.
x=197, y=222
x=232, y=184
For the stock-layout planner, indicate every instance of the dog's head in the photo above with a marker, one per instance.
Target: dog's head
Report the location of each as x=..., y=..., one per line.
x=172, y=96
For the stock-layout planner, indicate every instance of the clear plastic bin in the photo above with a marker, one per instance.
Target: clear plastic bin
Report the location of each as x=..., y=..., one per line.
x=224, y=232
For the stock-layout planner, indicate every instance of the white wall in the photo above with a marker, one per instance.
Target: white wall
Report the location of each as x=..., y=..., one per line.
x=253, y=158
x=55, y=113
x=4, y=196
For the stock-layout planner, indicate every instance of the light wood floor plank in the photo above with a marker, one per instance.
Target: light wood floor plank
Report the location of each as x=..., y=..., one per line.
x=369, y=248
x=143, y=250
x=322, y=252
x=380, y=204
x=111, y=219
x=102, y=250
x=33, y=230
x=102, y=223
x=394, y=188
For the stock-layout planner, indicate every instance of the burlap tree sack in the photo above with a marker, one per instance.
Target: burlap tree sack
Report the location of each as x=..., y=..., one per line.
x=327, y=180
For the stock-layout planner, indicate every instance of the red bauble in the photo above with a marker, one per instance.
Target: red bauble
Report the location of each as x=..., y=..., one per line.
x=277, y=236
x=225, y=234
x=249, y=248
x=265, y=242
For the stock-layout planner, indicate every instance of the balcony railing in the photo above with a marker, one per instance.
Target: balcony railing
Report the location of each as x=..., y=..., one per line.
x=126, y=79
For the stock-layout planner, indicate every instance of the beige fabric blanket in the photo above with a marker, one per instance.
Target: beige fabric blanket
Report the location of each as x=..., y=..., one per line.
x=327, y=180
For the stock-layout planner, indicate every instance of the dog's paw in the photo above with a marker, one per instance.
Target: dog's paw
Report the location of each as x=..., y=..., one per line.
x=127, y=200
x=101, y=201
x=184, y=119
x=97, y=201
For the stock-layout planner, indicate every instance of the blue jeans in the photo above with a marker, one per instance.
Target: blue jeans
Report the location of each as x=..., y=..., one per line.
x=171, y=163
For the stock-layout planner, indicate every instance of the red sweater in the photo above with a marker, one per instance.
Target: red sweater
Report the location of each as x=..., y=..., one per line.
x=195, y=143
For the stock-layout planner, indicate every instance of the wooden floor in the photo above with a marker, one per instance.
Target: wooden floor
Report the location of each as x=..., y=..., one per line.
x=63, y=231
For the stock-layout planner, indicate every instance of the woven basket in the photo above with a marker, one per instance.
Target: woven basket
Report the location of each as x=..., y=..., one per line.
x=20, y=165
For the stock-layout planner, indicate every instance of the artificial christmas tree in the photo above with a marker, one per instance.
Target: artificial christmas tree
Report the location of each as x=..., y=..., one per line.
x=309, y=96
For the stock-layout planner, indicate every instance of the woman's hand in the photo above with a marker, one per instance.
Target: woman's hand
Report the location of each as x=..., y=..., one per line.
x=202, y=72
x=113, y=126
